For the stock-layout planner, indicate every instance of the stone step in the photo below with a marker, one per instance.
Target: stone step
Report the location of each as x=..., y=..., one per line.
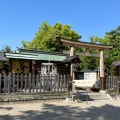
x=90, y=96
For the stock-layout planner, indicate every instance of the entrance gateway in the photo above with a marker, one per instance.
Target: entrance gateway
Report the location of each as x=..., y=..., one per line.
x=72, y=44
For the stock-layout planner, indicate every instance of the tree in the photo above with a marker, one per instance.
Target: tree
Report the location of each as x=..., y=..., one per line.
x=114, y=37
x=4, y=65
x=45, y=38
x=106, y=41
x=110, y=38
x=6, y=48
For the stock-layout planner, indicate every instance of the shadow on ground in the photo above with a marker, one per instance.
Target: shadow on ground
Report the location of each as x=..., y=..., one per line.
x=67, y=112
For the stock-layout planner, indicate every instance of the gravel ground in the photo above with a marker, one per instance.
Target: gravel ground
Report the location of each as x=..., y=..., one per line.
x=60, y=110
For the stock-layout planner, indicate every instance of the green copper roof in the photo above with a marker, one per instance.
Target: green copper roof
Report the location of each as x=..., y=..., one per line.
x=42, y=56
x=32, y=51
x=37, y=55
x=51, y=57
x=21, y=56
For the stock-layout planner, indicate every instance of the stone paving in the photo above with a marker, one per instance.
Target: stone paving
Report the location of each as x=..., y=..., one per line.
x=60, y=110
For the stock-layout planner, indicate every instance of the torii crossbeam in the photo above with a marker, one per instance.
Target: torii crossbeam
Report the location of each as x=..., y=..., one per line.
x=87, y=45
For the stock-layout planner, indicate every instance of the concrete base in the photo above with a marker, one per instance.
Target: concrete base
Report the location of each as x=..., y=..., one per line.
x=117, y=97
x=73, y=97
x=68, y=99
x=109, y=97
x=102, y=91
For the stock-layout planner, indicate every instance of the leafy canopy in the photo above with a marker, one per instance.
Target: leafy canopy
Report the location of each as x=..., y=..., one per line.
x=110, y=38
x=6, y=48
x=45, y=38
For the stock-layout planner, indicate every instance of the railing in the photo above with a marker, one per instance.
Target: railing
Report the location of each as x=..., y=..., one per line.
x=28, y=83
x=113, y=84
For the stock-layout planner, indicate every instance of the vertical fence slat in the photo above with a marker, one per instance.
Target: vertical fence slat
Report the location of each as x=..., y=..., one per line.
x=55, y=77
x=33, y=82
x=58, y=80
x=0, y=83
x=5, y=82
x=116, y=84
x=40, y=81
x=61, y=82
x=119, y=84
x=26, y=82
x=117, y=90
x=21, y=81
x=13, y=84
x=68, y=88
x=17, y=83
x=113, y=81
x=43, y=80
x=64, y=84
x=37, y=83
x=109, y=82
x=47, y=82
x=51, y=83
x=29, y=87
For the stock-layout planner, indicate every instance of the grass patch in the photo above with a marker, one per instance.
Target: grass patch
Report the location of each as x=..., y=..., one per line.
x=32, y=96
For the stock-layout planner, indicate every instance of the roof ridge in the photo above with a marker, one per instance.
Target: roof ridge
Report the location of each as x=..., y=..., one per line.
x=39, y=51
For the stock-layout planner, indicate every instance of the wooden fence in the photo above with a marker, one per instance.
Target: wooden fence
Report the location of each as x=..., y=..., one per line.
x=113, y=83
x=28, y=83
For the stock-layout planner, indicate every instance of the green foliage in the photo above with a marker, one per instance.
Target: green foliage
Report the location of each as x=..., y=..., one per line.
x=89, y=63
x=114, y=37
x=4, y=65
x=45, y=38
x=111, y=38
x=6, y=48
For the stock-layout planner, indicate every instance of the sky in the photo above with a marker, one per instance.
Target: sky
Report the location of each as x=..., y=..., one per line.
x=20, y=19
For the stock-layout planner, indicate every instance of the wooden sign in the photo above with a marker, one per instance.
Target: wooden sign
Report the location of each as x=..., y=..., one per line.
x=20, y=67
x=90, y=76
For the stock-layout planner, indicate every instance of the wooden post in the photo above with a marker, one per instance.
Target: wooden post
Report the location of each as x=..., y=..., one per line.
x=26, y=82
x=10, y=65
x=0, y=82
x=58, y=80
x=9, y=83
x=33, y=67
x=5, y=82
x=68, y=79
x=102, y=81
x=29, y=87
x=72, y=52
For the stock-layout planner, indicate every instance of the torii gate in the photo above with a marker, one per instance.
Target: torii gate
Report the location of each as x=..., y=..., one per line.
x=88, y=46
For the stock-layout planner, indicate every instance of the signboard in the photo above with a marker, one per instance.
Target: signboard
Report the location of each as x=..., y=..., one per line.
x=20, y=67
x=90, y=76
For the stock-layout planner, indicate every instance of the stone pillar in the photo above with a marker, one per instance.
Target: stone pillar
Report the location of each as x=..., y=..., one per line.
x=102, y=81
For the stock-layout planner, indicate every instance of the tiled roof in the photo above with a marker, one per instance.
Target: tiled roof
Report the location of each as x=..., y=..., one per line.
x=116, y=63
x=72, y=59
x=2, y=57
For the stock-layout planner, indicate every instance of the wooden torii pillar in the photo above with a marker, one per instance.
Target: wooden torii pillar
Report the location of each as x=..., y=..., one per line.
x=72, y=53
x=87, y=45
x=102, y=81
